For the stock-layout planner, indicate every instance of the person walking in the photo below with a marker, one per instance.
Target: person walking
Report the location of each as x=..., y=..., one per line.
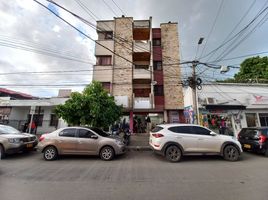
x=148, y=123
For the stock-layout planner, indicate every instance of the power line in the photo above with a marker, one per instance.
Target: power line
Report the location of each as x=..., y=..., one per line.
x=235, y=27
x=213, y=26
x=237, y=34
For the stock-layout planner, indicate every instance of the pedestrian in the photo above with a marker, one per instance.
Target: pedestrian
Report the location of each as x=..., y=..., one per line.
x=148, y=123
x=32, y=128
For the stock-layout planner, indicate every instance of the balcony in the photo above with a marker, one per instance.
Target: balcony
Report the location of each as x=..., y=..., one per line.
x=142, y=46
x=121, y=100
x=142, y=73
x=141, y=30
x=103, y=73
x=143, y=102
x=99, y=50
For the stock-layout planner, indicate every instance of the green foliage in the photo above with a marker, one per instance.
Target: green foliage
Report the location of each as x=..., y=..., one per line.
x=93, y=107
x=253, y=69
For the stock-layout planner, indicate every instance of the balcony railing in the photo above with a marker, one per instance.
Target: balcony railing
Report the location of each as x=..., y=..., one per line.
x=142, y=24
x=142, y=73
x=142, y=46
x=143, y=102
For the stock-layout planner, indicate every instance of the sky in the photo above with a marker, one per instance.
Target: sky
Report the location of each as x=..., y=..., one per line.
x=59, y=57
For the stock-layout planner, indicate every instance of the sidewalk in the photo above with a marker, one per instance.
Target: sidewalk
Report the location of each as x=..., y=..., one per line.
x=139, y=142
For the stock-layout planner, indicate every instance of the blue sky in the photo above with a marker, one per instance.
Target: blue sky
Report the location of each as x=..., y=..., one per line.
x=24, y=24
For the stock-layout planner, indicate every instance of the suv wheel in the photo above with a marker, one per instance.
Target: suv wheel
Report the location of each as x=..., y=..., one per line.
x=173, y=154
x=50, y=153
x=107, y=153
x=230, y=153
x=2, y=152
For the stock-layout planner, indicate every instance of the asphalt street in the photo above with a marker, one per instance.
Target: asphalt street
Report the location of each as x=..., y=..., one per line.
x=135, y=175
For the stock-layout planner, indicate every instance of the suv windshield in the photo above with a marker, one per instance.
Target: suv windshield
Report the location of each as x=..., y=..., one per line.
x=8, y=130
x=100, y=132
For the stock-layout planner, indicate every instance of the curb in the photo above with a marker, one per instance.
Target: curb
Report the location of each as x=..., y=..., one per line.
x=138, y=148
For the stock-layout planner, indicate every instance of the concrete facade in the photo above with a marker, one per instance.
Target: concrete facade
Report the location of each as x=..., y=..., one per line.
x=172, y=75
x=143, y=86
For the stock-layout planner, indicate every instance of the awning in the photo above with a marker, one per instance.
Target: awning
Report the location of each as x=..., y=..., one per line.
x=224, y=107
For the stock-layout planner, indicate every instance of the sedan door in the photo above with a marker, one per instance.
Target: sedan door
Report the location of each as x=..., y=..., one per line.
x=66, y=141
x=87, y=142
x=205, y=141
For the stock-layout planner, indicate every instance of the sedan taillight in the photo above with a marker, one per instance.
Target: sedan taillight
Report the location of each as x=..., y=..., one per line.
x=157, y=135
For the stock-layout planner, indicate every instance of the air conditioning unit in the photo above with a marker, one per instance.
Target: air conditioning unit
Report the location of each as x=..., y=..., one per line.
x=211, y=100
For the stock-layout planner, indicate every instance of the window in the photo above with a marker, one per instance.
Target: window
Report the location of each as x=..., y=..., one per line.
x=106, y=35
x=37, y=118
x=100, y=132
x=157, y=65
x=156, y=42
x=69, y=132
x=251, y=119
x=53, y=120
x=84, y=133
x=200, y=131
x=104, y=60
x=264, y=119
x=181, y=129
x=156, y=129
x=158, y=90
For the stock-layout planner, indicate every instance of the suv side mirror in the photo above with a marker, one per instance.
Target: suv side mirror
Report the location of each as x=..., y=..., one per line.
x=213, y=133
x=94, y=137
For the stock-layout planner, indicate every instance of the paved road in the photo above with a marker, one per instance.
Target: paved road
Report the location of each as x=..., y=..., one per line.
x=136, y=175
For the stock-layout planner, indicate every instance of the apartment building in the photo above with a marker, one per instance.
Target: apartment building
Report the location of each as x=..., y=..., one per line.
x=138, y=65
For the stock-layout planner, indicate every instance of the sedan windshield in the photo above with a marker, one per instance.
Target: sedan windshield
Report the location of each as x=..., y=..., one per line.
x=100, y=132
x=8, y=130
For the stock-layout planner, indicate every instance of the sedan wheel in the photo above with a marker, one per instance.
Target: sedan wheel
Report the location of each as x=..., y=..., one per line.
x=50, y=153
x=231, y=153
x=173, y=154
x=107, y=153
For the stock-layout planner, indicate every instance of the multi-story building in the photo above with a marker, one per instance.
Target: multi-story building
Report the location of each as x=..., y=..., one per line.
x=139, y=66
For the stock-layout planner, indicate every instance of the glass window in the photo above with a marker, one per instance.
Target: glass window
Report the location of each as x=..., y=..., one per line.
x=104, y=60
x=263, y=119
x=157, y=65
x=181, y=129
x=69, y=132
x=100, y=132
x=158, y=90
x=156, y=42
x=156, y=129
x=251, y=119
x=53, y=120
x=200, y=131
x=84, y=133
x=105, y=35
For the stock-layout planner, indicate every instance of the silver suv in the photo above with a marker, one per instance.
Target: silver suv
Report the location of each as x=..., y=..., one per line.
x=13, y=141
x=176, y=140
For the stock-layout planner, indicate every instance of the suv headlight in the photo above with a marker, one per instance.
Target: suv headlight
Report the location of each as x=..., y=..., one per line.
x=14, y=140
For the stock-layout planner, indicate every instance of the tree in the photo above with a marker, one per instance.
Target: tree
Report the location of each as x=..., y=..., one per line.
x=93, y=107
x=253, y=69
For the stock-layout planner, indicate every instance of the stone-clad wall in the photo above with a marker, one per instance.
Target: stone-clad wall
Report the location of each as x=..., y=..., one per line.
x=172, y=75
x=122, y=77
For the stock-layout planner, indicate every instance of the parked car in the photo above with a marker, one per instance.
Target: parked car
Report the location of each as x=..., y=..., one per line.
x=254, y=139
x=80, y=141
x=176, y=140
x=13, y=141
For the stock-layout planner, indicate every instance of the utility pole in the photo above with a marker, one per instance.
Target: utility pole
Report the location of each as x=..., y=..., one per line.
x=194, y=83
x=195, y=98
